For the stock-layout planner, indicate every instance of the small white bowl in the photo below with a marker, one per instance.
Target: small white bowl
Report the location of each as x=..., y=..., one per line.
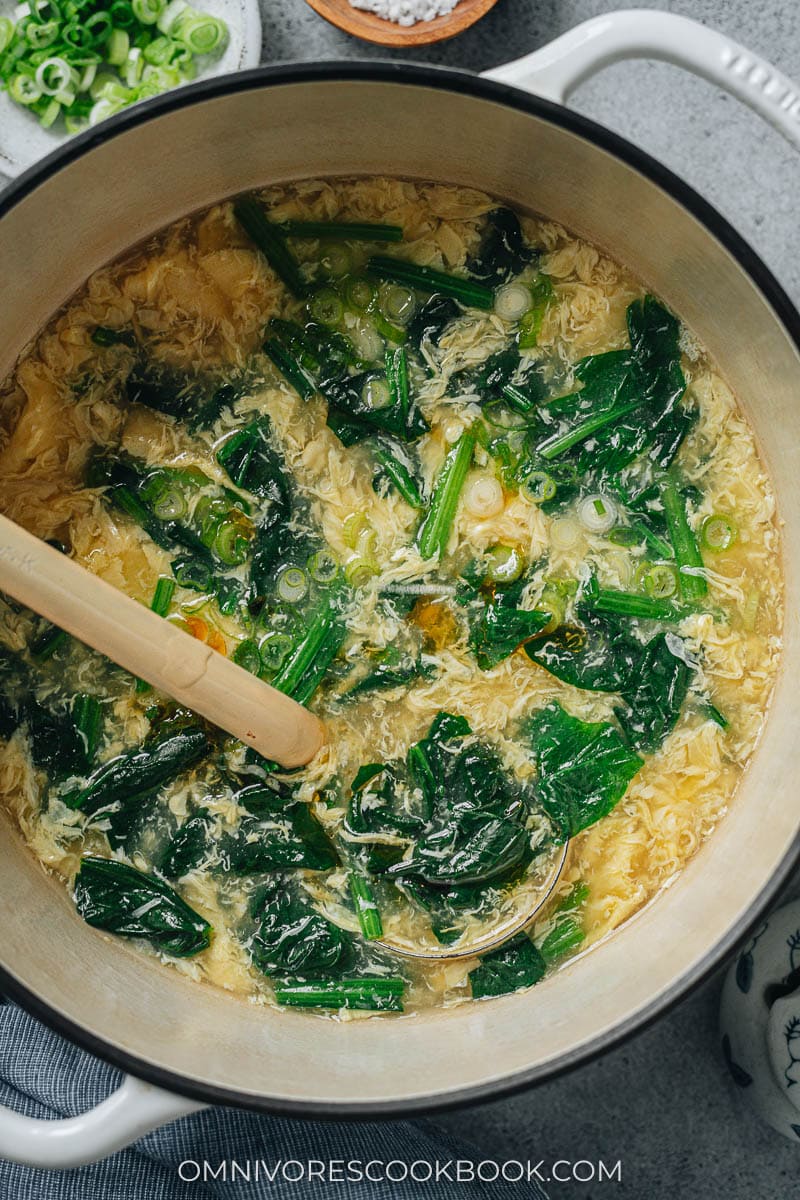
x=22, y=139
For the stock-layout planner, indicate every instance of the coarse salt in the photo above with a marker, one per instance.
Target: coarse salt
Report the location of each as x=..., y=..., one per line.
x=406, y=12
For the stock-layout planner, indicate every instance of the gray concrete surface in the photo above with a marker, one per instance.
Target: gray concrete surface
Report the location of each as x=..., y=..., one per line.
x=661, y=1103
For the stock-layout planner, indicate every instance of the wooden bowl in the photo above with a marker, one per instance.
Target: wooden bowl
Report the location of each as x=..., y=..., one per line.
x=371, y=28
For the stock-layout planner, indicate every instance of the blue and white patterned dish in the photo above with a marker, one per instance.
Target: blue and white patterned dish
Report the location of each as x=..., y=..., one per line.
x=760, y=1021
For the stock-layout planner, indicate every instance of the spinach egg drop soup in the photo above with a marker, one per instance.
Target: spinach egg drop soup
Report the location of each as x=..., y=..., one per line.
x=454, y=479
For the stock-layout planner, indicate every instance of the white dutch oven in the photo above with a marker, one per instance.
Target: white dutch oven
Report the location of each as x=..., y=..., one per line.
x=145, y=168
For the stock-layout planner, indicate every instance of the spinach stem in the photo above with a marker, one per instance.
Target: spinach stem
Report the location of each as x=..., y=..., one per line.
x=687, y=553
x=379, y=994
x=559, y=443
x=369, y=917
x=270, y=241
x=435, y=529
x=427, y=279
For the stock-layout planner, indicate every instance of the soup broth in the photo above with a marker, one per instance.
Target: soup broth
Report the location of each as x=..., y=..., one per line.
x=448, y=475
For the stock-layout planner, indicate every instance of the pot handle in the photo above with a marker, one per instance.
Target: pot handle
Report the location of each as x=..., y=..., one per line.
x=558, y=68
x=133, y=1110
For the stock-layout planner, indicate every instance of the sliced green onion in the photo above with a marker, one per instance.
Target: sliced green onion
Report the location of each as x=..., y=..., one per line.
x=597, y=513
x=367, y=340
x=98, y=27
x=353, y=527
x=323, y=567
x=659, y=580
x=122, y=14
x=50, y=114
x=512, y=301
x=718, y=532
x=292, y=585
x=231, y=543
x=169, y=502
x=42, y=36
x=359, y=570
x=336, y=260
x=147, y=12
x=117, y=47
x=6, y=33
x=369, y=917
x=376, y=393
x=169, y=15
x=504, y=564
x=275, y=649
x=538, y=487
x=54, y=74
x=397, y=303
x=484, y=496
x=24, y=89
x=391, y=333
x=192, y=573
x=326, y=307
x=360, y=294
x=200, y=33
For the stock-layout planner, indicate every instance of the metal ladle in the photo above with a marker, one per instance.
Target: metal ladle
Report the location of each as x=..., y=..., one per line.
x=494, y=938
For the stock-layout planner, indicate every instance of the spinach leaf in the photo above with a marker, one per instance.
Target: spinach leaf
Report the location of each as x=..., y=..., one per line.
x=654, y=696
x=292, y=937
x=380, y=805
x=431, y=319
x=113, y=896
x=353, y=417
x=143, y=770
x=499, y=630
x=595, y=653
x=567, y=932
x=55, y=742
x=647, y=379
x=455, y=802
x=253, y=464
x=584, y=768
x=503, y=251
x=478, y=847
x=289, y=836
x=387, y=668
x=516, y=965
x=163, y=390
x=188, y=846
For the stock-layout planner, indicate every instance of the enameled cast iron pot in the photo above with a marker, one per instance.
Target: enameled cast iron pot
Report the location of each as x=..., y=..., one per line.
x=139, y=171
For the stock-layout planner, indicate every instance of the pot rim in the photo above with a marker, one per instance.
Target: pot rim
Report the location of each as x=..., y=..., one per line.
x=446, y=79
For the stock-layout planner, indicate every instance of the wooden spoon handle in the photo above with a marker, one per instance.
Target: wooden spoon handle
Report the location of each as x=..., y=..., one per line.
x=153, y=649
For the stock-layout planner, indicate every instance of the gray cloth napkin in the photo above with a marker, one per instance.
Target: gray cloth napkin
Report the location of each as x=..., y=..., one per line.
x=42, y=1075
